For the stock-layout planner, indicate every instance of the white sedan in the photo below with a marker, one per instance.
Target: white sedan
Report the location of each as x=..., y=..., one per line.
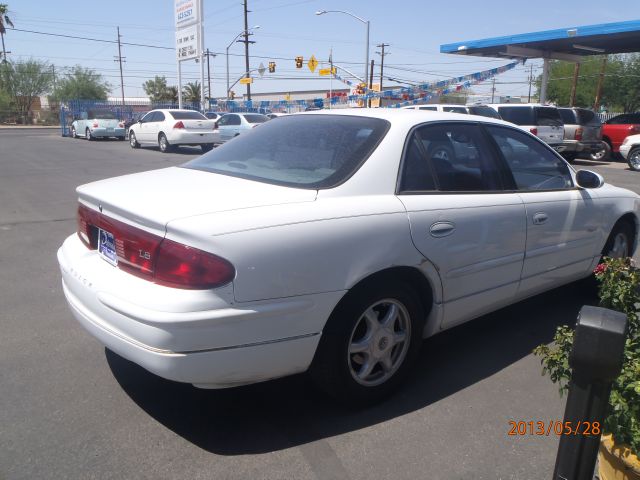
x=630, y=151
x=231, y=125
x=171, y=128
x=334, y=242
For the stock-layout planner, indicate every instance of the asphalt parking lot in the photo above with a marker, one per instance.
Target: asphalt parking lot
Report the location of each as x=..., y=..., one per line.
x=71, y=409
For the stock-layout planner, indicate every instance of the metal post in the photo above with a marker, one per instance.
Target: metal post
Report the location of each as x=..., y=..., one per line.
x=596, y=360
x=208, y=78
x=228, y=71
x=545, y=81
x=201, y=50
x=246, y=49
x=180, y=84
x=366, y=61
x=530, y=82
x=370, y=83
x=121, y=76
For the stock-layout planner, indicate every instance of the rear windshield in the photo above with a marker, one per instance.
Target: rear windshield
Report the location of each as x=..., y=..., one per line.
x=304, y=151
x=256, y=118
x=568, y=116
x=483, y=110
x=186, y=115
x=548, y=116
x=101, y=114
x=518, y=115
x=587, y=117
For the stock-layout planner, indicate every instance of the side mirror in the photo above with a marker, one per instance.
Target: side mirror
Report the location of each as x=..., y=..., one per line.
x=589, y=179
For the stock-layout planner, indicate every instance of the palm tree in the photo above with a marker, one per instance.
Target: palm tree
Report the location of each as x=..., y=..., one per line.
x=172, y=94
x=191, y=92
x=4, y=20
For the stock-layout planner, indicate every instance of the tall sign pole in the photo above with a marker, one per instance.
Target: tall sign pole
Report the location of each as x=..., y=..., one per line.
x=189, y=39
x=201, y=48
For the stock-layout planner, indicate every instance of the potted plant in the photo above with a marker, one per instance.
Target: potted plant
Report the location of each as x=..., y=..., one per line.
x=619, y=290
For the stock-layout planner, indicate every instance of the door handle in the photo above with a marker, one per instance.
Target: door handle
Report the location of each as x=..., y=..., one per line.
x=540, y=218
x=441, y=229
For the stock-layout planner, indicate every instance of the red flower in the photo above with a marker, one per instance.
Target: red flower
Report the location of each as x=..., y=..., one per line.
x=601, y=268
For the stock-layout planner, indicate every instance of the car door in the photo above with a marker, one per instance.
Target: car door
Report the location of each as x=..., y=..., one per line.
x=461, y=217
x=144, y=127
x=562, y=219
x=230, y=127
x=155, y=126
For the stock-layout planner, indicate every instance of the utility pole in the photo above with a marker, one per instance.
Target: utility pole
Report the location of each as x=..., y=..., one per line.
x=596, y=104
x=120, y=59
x=382, y=54
x=370, y=82
x=530, y=82
x=246, y=49
x=209, y=54
x=493, y=89
x=574, y=84
x=53, y=74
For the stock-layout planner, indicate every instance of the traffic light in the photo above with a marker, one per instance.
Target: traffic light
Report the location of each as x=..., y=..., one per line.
x=272, y=67
x=298, y=62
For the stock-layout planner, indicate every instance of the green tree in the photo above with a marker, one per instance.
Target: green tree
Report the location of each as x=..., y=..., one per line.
x=24, y=82
x=620, y=89
x=158, y=91
x=82, y=84
x=191, y=92
x=4, y=21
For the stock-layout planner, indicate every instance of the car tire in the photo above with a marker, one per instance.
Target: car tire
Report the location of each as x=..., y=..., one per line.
x=163, y=143
x=619, y=243
x=207, y=147
x=601, y=155
x=361, y=359
x=633, y=159
x=133, y=142
x=73, y=133
x=87, y=135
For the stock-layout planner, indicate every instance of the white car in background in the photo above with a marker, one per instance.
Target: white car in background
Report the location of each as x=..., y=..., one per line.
x=334, y=242
x=630, y=151
x=233, y=124
x=169, y=128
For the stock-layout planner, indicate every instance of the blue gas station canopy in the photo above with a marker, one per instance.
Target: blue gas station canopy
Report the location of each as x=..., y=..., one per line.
x=562, y=44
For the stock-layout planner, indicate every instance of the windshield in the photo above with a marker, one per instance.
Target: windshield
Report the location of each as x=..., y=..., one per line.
x=186, y=115
x=101, y=114
x=305, y=151
x=256, y=118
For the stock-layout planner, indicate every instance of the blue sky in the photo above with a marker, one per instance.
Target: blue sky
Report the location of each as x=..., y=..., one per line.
x=288, y=28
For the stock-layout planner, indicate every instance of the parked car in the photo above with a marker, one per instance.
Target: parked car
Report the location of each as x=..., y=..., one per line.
x=171, y=128
x=630, y=151
x=543, y=121
x=582, y=133
x=473, y=109
x=133, y=119
x=233, y=124
x=616, y=129
x=97, y=123
x=332, y=242
x=276, y=115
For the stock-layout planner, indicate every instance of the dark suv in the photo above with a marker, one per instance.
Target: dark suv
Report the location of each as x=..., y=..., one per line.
x=582, y=132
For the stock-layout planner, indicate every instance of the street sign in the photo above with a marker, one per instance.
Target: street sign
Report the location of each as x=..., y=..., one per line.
x=312, y=64
x=245, y=81
x=261, y=69
x=324, y=71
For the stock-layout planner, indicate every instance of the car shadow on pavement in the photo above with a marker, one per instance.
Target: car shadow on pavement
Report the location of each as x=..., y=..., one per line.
x=288, y=412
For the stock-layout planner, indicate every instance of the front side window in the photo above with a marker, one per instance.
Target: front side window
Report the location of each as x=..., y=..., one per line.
x=533, y=165
x=159, y=117
x=304, y=151
x=450, y=158
x=233, y=120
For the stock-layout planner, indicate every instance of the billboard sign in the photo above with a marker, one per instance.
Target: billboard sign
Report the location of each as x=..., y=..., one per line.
x=187, y=12
x=188, y=43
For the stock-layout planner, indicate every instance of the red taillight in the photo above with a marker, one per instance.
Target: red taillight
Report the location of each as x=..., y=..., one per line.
x=154, y=258
x=95, y=125
x=635, y=129
x=182, y=266
x=179, y=125
x=534, y=131
x=578, y=135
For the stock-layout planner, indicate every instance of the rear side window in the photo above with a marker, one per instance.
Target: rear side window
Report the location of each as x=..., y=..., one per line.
x=568, y=116
x=255, y=118
x=186, y=115
x=304, y=151
x=449, y=158
x=431, y=109
x=627, y=118
x=548, y=116
x=532, y=164
x=518, y=115
x=483, y=111
x=455, y=109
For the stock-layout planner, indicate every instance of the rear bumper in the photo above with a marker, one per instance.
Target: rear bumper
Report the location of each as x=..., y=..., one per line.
x=190, y=138
x=198, y=337
x=576, y=146
x=104, y=132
